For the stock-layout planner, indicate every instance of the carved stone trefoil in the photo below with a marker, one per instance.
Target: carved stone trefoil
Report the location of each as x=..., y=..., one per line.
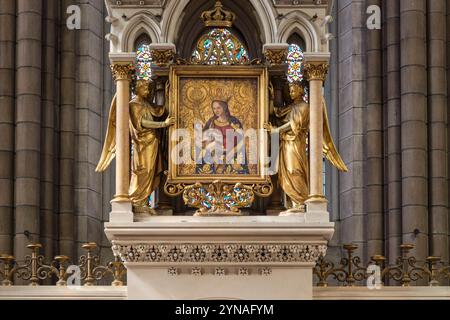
x=220, y=253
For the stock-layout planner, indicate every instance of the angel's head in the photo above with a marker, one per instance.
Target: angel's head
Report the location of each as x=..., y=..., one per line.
x=296, y=90
x=143, y=88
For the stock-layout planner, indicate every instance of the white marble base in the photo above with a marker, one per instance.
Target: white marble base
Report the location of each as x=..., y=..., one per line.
x=249, y=257
x=121, y=212
x=156, y=284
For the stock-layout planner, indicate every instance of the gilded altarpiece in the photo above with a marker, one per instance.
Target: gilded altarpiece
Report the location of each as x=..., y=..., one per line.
x=219, y=108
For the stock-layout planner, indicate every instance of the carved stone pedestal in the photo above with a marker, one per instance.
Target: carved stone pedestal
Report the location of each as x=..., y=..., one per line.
x=220, y=257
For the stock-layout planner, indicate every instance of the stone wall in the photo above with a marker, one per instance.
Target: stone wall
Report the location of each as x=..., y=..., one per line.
x=392, y=120
x=55, y=93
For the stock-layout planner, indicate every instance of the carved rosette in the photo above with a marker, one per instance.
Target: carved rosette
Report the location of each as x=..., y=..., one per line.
x=162, y=58
x=219, y=253
x=122, y=71
x=316, y=71
x=276, y=56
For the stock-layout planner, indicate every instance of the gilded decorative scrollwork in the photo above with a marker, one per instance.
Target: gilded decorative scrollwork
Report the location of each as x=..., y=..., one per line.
x=264, y=189
x=174, y=189
x=218, y=198
x=276, y=56
x=162, y=57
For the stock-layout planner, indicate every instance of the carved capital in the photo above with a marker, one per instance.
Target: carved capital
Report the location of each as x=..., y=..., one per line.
x=122, y=71
x=162, y=57
x=316, y=71
x=276, y=56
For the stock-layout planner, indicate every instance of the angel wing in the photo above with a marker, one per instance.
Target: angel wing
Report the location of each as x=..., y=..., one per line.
x=109, y=148
x=329, y=148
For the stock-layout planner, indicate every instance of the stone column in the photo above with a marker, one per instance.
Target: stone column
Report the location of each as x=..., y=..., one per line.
x=414, y=126
x=48, y=128
x=448, y=103
x=122, y=71
x=393, y=124
x=374, y=141
x=28, y=124
x=316, y=72
x=67, y=138
x=7, y=71
x=437, y=130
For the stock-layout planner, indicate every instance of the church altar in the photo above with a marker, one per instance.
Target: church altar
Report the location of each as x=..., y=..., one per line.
x=223, y=251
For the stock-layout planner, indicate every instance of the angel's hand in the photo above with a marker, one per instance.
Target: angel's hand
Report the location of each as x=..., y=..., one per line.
x=269, y=127
x=170, y=121
x=271, y=91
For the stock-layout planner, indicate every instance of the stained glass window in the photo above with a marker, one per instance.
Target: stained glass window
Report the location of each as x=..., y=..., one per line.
x=143, y=62
x=295, y=66
x=220, y=46
x=295, y=63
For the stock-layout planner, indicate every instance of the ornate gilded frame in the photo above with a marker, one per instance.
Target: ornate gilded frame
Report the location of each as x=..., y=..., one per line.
x=261, y=184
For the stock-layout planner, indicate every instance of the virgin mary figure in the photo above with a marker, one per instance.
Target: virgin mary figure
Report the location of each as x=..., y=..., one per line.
x=222, y=124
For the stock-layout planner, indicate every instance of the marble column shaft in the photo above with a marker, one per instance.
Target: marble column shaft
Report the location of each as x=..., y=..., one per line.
x=122, y=76
x=414, y=125
x=7, y=93
x=316, y=75
x=437, y=130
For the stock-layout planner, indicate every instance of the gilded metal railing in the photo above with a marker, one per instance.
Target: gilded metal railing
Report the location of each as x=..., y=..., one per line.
x=34, y=270
x=405, y=270
x=349, y=272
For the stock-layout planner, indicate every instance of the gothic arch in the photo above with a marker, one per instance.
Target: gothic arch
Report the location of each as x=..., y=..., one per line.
x=298, y=22
x=173, y=15
x=137, y=25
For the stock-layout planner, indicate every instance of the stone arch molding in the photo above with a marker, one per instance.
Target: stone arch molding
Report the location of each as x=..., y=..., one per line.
x=173, y=14
x=136, y=26
x=299, y=22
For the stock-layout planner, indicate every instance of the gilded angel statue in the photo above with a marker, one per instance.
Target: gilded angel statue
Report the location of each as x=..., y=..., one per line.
x=293, y=172
x=146, y=166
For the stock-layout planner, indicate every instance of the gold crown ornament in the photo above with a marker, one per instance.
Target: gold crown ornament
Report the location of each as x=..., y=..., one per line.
x=218, y=17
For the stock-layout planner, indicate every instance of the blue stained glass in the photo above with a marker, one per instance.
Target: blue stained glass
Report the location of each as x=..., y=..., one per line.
x=144, y=62
x=295, y=66
x=220, y=46
x=295, y=63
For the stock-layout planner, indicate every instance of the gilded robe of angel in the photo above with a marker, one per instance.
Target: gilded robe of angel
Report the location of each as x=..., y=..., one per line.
x=293, y=172
x=146, y=165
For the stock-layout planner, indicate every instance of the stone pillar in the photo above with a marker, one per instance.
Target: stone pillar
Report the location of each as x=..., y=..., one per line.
x=28, y=124
x=393, y=124
x=7, y=71
x=121, y=66
x=448, y=103
x=437, y=111
x=374, y=141
x=48, y=128
x=88, y=135
x=316, y=72
x=414, y=126
x=67, y=138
